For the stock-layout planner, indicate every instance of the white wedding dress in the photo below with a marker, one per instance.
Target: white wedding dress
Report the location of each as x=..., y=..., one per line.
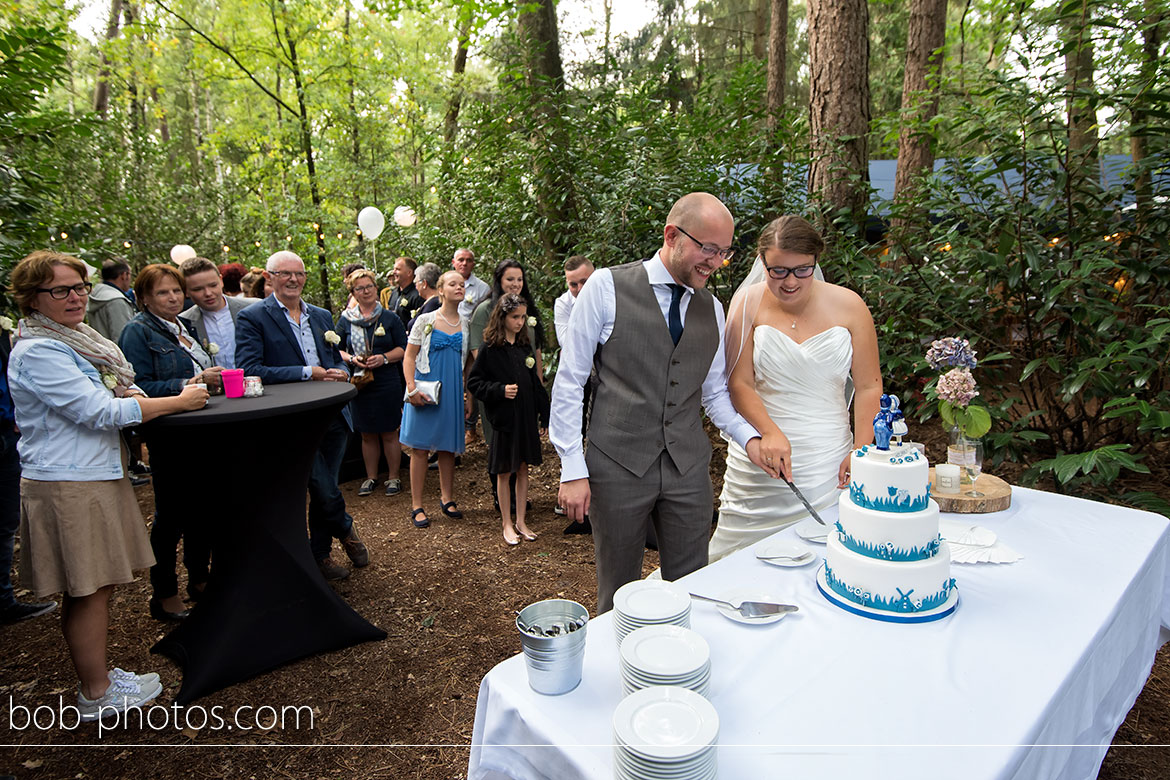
x=803, y=387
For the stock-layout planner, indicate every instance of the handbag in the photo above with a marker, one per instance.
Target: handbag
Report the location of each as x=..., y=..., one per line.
x=428, y=388
x=362, y=379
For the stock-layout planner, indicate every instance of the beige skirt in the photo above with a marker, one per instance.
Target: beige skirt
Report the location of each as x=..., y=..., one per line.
x=78, y=537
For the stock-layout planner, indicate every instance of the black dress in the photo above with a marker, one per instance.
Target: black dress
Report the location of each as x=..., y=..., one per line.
x=378, y=406
x=516, y=422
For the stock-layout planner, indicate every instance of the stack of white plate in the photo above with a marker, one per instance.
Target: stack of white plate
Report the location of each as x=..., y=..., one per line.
x=664, y=733
x=665, y=655
x=649, y=603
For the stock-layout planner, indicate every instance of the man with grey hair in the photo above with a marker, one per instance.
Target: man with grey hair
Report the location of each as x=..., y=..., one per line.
x=282, y=339
x=426, y=281
x=649, y=455
x=475, y=289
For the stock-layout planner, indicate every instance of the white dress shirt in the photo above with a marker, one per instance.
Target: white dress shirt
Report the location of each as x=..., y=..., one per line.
x=562, y=308
x=592, y=320
x=475, y=291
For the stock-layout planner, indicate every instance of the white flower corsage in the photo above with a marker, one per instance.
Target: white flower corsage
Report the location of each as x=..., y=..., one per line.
x=5, y=323
x=379, y=331
x=109, y=380
x=211, y=347
x=469, y=300
x=332, y=338
x=413, y=313
x=403, y=302
x=530, y=361
x=427, y=329
x=532, y=323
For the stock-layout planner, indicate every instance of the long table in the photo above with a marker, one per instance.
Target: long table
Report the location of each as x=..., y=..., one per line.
x=1029, y=678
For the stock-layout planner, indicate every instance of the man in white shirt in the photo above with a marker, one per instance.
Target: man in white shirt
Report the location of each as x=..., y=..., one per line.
x=657, y=372
x=214, y=314
x=577, y=271
x=475, y=289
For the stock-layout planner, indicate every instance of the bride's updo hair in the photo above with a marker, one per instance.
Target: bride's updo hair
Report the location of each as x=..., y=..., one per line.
x=791, y=233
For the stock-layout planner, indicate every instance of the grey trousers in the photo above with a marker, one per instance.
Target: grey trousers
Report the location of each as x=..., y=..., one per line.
x=622, y=508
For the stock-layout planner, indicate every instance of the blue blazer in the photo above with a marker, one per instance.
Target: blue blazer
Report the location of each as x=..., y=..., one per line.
x=161, y=365
x=267, y=347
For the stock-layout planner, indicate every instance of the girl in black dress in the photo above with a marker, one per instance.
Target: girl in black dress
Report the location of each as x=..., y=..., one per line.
x=504, y=377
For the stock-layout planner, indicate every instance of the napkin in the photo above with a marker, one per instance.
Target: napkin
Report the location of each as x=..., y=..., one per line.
x=974, y=544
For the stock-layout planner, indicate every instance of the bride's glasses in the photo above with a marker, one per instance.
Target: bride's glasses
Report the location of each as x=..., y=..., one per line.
x=780, y=272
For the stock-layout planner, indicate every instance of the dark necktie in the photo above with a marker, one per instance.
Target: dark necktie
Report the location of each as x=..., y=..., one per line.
x=674, y=321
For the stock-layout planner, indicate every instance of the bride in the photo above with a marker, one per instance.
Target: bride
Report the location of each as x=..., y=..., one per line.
x=792, y=342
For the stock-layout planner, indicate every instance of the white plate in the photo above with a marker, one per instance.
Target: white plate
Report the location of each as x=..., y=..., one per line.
x=651, y=600
x=665, y=723
x=739, y=595
x=665, y=651
x=812, y=531
x=802, y=555
x=640, y=769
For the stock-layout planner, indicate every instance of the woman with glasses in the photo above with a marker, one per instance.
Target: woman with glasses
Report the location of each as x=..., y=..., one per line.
x=80, y=528
x=793, y=341
x=373, y=341
x=167, y=357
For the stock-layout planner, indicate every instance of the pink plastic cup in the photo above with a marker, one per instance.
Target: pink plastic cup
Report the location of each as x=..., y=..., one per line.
x=233, y=382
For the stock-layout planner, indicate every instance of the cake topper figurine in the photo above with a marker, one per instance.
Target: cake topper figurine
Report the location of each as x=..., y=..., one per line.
x=898, y=427
x=881, y=425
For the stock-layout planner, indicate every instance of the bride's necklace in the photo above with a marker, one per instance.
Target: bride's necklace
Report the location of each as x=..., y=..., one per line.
x=455, y=324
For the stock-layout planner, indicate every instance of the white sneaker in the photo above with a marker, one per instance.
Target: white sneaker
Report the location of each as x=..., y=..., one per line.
x=120, y=696
x=142, y=679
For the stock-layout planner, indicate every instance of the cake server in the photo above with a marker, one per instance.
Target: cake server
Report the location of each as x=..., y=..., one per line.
x=751, y=609
x=804, y=501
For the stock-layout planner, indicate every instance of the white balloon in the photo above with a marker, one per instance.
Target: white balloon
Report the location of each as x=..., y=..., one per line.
x=181, y=252
x=371, y=221
x=404, y=216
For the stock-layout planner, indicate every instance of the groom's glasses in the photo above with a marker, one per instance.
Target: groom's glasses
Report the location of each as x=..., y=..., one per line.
x=780, y=272
x=708, y=250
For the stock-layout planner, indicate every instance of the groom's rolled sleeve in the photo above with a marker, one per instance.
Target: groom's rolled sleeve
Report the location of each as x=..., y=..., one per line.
x=716, y=399
x=590, y=324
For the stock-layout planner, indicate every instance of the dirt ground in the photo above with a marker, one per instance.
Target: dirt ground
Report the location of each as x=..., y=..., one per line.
x=446, y=596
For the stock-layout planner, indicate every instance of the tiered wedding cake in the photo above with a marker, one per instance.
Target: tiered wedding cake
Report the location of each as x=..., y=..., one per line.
x=886, y=555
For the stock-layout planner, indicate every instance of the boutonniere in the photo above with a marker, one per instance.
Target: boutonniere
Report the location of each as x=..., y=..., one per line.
x=403, y=302
x=427, y=329
x=211, y=347
x=109, y=379
x=5, y=322
x=332, y=338
x=413, y=313
x=531, y=324
x=530, y=361
x=469, y=300
x=379, y=331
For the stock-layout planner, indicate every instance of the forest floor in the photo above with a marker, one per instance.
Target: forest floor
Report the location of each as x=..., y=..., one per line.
x=446, y=596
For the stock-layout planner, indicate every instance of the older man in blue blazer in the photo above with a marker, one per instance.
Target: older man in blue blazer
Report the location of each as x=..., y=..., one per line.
x=282, y=339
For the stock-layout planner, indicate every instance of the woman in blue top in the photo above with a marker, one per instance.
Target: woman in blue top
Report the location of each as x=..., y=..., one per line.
x=436, y=350
x=80, y=528
x=167, y=356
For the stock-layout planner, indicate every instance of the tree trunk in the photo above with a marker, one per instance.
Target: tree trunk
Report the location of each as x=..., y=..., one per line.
x=1078, y=72
x=1151, y=44
x=451, y=121
x=777, y=61
x=920, y=97
x=101, y=90
x=555, y=196
x=839, y=110
x=306, y=136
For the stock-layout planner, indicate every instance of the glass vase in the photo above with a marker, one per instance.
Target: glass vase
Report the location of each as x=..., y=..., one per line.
x=966, y=453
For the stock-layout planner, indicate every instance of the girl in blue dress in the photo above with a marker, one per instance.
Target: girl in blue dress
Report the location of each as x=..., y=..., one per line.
x=436, y=350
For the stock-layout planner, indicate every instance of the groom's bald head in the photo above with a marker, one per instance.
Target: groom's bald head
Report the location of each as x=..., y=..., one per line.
x=696, y=208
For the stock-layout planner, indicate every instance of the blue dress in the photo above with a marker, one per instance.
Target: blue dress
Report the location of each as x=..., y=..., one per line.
x=439, y=427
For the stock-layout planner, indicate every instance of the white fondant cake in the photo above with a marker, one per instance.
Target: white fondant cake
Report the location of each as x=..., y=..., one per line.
x=886, y=553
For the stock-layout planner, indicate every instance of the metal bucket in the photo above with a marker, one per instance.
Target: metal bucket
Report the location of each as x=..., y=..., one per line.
x=554, y=662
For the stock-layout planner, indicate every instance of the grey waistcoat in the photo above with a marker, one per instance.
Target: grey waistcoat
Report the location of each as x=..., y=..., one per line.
x=650, y=391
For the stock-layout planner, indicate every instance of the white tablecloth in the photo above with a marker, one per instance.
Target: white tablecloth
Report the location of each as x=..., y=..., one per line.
x=1028, y=679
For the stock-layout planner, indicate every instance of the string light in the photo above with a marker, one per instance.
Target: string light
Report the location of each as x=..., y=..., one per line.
x=126, y=244
x=340, y=236
x=64, y=235
x=288, y=239
x=226, y=249
x=316, y=226
x=466, y=160
x=321, y=236
x=434, y=189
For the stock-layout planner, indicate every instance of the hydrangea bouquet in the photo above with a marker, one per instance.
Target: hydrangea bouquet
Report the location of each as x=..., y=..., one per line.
x=956, y=387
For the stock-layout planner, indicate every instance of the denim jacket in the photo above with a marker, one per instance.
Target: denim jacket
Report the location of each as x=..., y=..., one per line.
x=161, y=365
x=68, y=420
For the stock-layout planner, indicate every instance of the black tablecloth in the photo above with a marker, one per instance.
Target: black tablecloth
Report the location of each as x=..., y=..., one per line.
x=245, y=466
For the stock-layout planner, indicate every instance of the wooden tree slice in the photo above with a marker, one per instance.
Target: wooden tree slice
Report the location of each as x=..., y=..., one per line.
x=997, y=496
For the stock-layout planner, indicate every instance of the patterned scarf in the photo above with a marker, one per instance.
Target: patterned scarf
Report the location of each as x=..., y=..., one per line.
x=102, y=353
x=361, y=329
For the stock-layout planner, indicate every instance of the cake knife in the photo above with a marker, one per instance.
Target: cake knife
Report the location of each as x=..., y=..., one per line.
x=804, y=501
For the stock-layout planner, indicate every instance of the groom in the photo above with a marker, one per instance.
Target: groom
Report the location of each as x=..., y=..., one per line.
x=655, y=337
